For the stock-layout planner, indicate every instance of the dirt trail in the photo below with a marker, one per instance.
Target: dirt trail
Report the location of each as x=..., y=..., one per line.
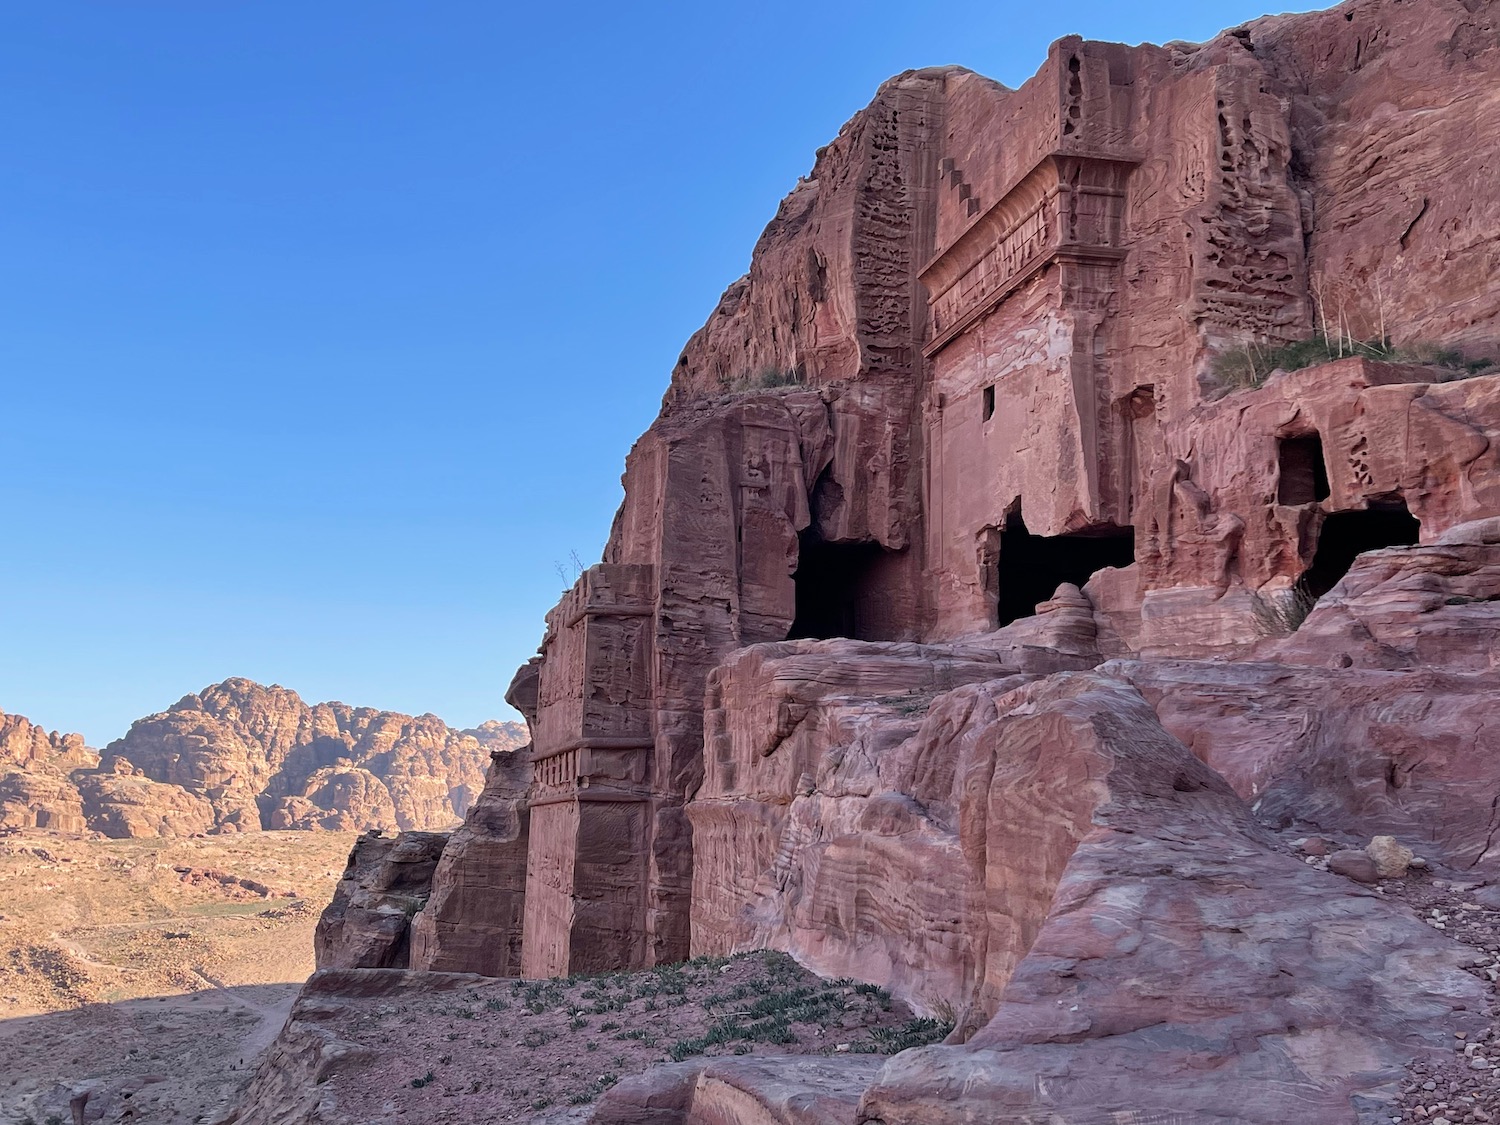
x=272, y=1016
x=154, y=993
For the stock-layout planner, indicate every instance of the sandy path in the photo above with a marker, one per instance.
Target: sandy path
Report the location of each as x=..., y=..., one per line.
x=272, y=1016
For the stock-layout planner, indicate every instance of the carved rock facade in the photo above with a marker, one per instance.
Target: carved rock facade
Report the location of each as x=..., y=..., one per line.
x=1002, y=307
x=969, y=663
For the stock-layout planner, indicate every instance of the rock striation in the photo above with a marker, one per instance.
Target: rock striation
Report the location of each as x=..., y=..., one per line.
x=240, y=757
x=976, y=627
x=386, y=881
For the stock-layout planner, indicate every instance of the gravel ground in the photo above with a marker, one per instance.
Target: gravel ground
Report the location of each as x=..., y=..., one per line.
x=1464, y=1088
x=517, y=1050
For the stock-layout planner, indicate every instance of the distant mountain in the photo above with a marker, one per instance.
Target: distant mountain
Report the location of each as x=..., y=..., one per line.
x=241, y=757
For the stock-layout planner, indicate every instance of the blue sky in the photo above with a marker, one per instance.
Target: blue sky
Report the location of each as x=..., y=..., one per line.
x=325, y=327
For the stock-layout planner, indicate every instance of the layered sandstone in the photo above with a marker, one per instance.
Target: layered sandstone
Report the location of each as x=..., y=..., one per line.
x=386, y=881
x=967, y=630
x=35, y=790
x=1116, y=920
x=473, y=919
x=24, y=744
x=266, y=759
x=1001, y=311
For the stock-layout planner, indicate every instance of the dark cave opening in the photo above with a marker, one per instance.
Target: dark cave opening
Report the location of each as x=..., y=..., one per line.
x=1033, y=566
x=838, y=590
x=1302, y=476
x=1345, y=535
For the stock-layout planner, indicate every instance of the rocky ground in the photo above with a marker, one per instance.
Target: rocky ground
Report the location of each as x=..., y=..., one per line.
x=1464, y=1089
x=151, y=972
x=461, y=1048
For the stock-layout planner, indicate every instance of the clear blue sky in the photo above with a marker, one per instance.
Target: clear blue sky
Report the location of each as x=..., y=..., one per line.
x=325, y=327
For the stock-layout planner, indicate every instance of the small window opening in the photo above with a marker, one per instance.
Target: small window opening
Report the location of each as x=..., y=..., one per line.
x=1033, y=566
x=989, y=402
x=839, y=590
x=1302, y=472
x=1345, y=536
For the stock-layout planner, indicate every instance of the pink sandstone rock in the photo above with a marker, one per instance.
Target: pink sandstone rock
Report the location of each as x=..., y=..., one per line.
x=266, y=759
x=998, y=312
x=121, y=803
x=1407, y=754
x=812, y=832
x=35, y=788
x=962, y=433
x=1140, y=945
x=472, y=919
x=38, y=799
x=368, y=923
x=796, y=1091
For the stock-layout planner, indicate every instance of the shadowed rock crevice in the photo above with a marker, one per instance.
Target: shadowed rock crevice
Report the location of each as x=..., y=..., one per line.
x=1344, y=536
x=1031, y=567
x=843, y=590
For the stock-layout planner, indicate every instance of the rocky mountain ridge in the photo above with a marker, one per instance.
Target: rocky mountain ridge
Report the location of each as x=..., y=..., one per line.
x=241, y=757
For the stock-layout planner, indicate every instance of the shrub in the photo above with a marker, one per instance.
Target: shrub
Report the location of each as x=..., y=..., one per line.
x=1279, y=615
x=765, y=379
x=1250, y=365
x=912, y=1033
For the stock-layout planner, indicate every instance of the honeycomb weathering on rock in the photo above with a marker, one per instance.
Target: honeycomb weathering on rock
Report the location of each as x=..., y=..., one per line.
x=952, y=623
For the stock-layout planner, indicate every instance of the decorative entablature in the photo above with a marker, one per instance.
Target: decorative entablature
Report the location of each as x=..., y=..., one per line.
x=593, y=769
x=1069, y=206
x=593, y=729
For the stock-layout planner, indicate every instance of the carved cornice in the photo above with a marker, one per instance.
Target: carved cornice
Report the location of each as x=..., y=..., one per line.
x=1070, y=206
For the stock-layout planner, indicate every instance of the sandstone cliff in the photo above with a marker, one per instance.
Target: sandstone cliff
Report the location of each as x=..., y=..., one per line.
x=35, y=788
x=1091, y=489
x=242, y=757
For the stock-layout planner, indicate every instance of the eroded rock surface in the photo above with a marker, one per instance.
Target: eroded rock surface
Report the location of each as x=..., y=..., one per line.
x=977, y=358
x=35, y=789
x=264, y=758
x=368, y=923
x=472, y=919
x=979, y=611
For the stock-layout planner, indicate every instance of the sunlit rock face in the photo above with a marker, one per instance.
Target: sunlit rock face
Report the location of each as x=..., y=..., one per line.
x=240, y=757
x=263, y=759
x=982, y=605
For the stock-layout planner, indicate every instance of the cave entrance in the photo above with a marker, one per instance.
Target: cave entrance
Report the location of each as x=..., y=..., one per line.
x=1302, y=476
x=1346, y=535
x=1033, y=566
x=838, y=590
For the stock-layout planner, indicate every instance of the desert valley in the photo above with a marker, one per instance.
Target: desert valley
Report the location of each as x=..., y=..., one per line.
x=1045, y=670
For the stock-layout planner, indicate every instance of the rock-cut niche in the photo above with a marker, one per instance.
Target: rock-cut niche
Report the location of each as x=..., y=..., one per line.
x=842, y=591
x=1344, y=535
x=1302, y=473
x=1033, y=566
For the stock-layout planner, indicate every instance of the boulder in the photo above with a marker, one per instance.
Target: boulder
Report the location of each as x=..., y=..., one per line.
x=387, y=880
x=472, y=919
